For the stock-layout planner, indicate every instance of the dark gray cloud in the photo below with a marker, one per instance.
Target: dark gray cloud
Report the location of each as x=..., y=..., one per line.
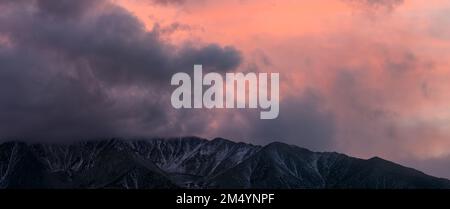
x=65, y=8
x=81, y=69
x=303, y=121
x=113, y=43
x=37, y=101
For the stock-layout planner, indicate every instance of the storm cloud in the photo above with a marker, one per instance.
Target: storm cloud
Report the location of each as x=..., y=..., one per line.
x=363, y=77
x=304, y=121
x=373, y=74
x=82, y=69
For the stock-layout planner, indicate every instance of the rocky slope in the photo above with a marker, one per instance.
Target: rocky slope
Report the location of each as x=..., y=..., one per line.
x=192, y=162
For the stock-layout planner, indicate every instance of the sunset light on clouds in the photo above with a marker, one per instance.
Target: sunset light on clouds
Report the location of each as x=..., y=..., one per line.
x=362, y=77
x=378, y=69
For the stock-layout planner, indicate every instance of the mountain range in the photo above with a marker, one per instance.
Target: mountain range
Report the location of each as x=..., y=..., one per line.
x=191, y=162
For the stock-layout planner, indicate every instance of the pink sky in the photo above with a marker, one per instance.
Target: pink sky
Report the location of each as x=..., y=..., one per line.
x=382, y=69
x=362, y=77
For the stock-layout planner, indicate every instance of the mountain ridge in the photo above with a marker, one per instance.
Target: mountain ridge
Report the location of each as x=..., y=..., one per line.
x=192, y=162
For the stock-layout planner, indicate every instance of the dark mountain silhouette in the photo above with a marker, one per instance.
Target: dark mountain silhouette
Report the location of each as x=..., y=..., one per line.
x=192, y=162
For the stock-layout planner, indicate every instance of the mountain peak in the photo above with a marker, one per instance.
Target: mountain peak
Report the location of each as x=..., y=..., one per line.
x=222, y=140
x=192, y=162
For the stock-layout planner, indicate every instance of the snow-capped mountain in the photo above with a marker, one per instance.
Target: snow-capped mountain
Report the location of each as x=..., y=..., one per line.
x=192, y=162
x=279, y=165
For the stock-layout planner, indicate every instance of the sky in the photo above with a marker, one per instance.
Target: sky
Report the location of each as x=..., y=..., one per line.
x=362, y=77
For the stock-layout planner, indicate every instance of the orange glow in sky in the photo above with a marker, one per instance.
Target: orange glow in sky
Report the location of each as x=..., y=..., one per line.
x=382, y=65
